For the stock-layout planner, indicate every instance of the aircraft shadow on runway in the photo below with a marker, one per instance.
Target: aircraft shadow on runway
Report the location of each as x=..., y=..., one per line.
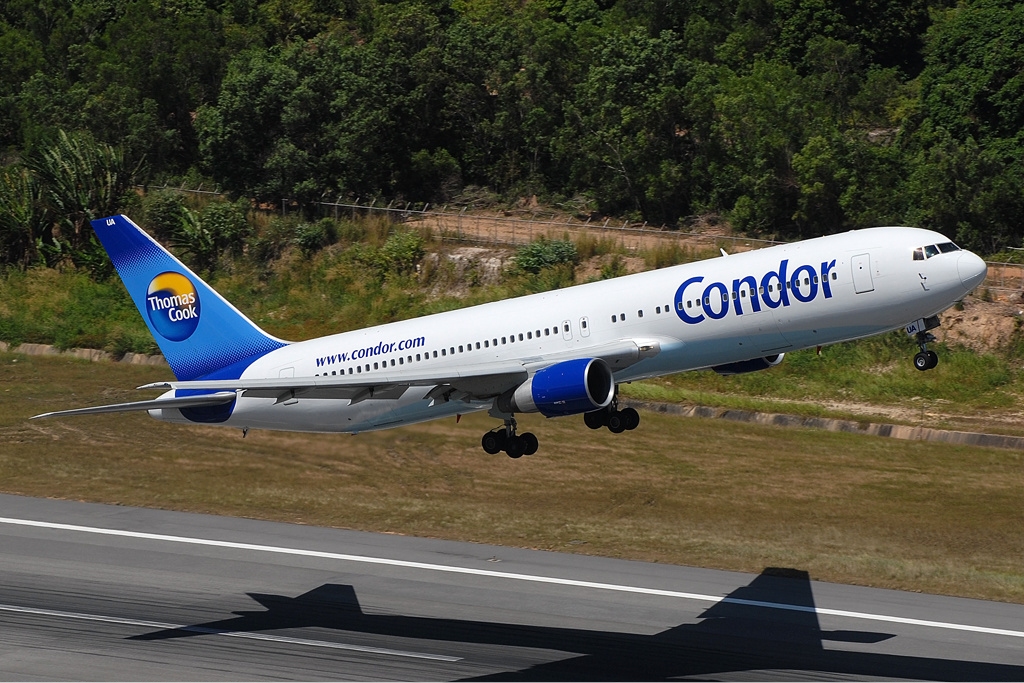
x=729, y=637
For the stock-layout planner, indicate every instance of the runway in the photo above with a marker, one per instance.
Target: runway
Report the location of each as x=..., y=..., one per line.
x=91, y=592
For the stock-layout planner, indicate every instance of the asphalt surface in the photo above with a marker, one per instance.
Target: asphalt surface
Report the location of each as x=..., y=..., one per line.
x=95, y=592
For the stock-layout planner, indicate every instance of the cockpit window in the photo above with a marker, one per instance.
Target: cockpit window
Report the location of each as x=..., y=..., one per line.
x=922, y=253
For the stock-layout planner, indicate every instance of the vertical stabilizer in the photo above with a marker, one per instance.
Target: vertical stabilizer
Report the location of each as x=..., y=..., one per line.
x=200, y=334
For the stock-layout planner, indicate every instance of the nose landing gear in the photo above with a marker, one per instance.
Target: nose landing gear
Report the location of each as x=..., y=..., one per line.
x=925, y=359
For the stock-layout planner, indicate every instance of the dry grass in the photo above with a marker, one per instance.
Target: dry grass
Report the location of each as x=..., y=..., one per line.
x=846, y=508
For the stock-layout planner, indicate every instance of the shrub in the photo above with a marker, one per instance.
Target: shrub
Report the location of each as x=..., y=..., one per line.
x=543, y=253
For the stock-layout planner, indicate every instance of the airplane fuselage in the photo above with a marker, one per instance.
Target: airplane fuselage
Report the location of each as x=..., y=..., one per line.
x=697, y=315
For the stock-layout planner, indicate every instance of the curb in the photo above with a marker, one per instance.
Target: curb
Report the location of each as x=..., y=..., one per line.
x=904, y=432
x=84, y=354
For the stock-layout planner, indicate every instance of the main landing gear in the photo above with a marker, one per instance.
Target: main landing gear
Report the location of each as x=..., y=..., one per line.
x=506, y=439
x=617, y=421
x=925, y=359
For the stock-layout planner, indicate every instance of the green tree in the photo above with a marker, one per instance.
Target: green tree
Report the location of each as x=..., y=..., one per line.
x=23, y=222
x=79, y=180
x=626, y=135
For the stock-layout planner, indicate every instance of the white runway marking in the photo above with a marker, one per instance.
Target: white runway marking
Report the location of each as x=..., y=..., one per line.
x=230, y=634
x=514, y=577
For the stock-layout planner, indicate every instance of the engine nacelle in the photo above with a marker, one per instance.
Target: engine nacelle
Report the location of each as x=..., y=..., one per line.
x=568, y=388
x=752, y=365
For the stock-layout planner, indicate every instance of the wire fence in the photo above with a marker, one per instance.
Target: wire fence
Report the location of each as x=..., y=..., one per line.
x=524, y=226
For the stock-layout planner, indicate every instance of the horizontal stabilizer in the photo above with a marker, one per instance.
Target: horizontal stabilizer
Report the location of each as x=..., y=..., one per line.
x=155, y=404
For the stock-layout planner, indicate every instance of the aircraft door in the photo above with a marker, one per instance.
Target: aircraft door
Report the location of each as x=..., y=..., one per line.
x=584, y=327
x=862, y=281
x=566, y=330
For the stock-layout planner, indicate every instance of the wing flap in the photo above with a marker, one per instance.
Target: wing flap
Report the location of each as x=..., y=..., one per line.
x=155, y=404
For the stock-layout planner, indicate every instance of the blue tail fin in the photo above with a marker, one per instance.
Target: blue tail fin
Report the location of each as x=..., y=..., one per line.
x=200, y=334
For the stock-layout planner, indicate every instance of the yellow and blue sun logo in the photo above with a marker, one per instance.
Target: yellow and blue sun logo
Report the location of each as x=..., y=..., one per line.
x=173, y=306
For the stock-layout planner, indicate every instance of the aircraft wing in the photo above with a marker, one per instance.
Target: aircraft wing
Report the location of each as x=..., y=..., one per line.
x=480, y=381
x=178, y=402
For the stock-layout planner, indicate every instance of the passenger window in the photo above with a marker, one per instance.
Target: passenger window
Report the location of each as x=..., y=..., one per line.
x=615, y=319
x=640, y=314
x=443, y=353
x=520, y=336
x=622, y=316
x=657, y=309
x=460, y=348
x=334, y=372
x=547, y=332
x=452, y=351
x=400, y=361
x=503, y=340
x=835, y=276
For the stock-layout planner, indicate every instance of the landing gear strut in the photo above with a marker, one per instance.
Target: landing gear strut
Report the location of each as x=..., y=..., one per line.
x=617, y=421
x=925, y=359
x=505, y=439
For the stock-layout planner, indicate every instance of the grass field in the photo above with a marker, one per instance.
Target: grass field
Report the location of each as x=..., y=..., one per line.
x=847, y=508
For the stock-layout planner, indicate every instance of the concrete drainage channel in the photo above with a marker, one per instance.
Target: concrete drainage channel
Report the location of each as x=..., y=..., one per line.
x=905, y=432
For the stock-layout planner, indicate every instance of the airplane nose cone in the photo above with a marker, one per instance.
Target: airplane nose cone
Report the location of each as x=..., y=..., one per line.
x=972, y=270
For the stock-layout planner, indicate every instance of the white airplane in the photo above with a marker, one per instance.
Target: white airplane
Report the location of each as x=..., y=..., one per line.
x=558, y=353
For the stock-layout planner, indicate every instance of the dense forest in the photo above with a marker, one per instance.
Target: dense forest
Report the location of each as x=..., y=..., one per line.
x=787, y=117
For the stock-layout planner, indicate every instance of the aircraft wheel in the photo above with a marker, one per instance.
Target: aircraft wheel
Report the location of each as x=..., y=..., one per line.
x=616, y=422
x=933, y=359
x=594, y=420
x=631, y=418
x=493, y=442
x=515, y=447
x=922, y=361
x=530, y=442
